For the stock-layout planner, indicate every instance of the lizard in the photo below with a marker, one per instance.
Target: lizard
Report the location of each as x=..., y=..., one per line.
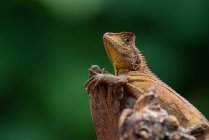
x=132, y=72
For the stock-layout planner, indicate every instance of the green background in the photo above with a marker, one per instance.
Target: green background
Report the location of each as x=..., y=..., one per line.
x=47, y=46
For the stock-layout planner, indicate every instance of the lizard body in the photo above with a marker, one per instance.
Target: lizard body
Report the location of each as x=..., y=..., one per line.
x=132, y=72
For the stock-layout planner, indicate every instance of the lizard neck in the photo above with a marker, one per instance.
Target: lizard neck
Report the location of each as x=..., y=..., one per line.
x=145, y=69
x=141, y=67
x=120, y=71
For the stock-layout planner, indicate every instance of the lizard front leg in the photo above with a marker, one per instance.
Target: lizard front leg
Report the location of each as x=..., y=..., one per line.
x=104, y=77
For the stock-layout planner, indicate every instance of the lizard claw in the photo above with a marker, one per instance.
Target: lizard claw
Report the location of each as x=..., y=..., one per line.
x=93, y=82
x=93, y=71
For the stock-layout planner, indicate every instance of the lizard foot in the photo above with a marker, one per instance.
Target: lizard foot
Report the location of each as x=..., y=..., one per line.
x=98, y=76
x=93, y=81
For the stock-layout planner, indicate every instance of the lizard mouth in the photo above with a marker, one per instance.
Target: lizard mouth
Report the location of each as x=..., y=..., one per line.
x=106, y=38
x=112, y=48
x=109, y=43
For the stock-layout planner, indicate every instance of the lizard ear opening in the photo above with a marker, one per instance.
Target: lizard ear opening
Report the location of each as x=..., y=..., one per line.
x=138, y=60
x=137, y=63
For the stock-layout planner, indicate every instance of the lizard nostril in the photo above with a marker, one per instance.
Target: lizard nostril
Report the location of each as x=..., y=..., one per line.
x=107, y=35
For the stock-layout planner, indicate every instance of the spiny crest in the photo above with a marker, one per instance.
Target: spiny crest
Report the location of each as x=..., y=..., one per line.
x=145, y=67
x=143, y=59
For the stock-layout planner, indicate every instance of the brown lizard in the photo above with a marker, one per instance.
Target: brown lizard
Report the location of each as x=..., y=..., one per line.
x=132, y=72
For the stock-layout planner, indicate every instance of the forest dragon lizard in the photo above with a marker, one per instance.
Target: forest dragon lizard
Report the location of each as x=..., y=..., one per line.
x=132, y=72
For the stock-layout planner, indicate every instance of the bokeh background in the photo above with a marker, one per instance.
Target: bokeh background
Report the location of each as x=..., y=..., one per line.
x=46, y=47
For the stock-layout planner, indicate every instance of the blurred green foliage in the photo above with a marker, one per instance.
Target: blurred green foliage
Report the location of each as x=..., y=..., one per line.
x=46, y=47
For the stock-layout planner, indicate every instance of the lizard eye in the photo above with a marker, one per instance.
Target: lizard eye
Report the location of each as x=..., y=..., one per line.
x=127, y=39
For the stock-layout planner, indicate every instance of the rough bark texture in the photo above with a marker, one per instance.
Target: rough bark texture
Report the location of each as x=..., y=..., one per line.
x=148, y=121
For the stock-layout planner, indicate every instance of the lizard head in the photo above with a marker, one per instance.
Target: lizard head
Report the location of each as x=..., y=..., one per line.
x=122, y=51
